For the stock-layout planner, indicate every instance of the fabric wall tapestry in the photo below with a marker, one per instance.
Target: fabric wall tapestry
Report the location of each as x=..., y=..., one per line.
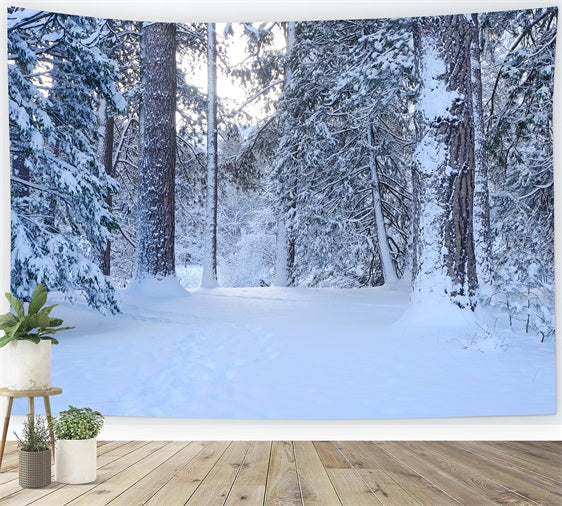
x=313, y=220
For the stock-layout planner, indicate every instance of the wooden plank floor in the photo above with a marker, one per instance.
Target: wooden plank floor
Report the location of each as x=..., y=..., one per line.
x=306, y=473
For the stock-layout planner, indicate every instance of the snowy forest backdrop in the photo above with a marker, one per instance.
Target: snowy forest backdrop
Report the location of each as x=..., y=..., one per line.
x=347, y=154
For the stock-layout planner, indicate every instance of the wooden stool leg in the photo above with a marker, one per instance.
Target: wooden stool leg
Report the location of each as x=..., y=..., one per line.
x=5, y=430
x=47, y=402
x=31, y=412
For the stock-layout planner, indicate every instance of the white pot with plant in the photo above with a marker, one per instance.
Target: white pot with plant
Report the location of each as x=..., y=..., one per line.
x=28, y=339
x=75, y=449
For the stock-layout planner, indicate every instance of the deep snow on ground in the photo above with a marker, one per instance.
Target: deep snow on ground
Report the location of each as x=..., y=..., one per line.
x=295, y=353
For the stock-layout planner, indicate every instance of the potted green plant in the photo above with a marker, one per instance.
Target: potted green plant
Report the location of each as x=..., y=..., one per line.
x=75, y=449
x=28, y=339
x=34, y=453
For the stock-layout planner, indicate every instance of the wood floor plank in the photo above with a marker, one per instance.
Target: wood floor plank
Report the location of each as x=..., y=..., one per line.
x=108, y=466
x=217, y=484
x=316, y=487
x=145, y=488
x=481, y=452
x=181, y=486
x=364, y=456
x=10, y=459
x=483, y=486
x=511, y=478
x=461, y=490
x=518, y=459
x=330, y=456
x=351, y=488
x=117, y=484
x=108, y=452
x=385, y=488
x=308, y=474
x=548, y=454
x=382, y=483
x=417, y=486
x=249, y=487
x=283, y=487
x=7, y=477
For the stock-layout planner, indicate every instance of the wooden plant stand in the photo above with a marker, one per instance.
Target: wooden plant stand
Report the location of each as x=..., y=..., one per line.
x=30, y=394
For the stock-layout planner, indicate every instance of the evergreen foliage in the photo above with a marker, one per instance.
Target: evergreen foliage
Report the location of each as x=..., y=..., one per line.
x=300, y=183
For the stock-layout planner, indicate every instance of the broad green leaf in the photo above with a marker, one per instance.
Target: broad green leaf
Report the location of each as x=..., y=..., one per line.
x=52, y=339
x=16, y=304
x=38, y=299
x=35, y=339
x=8, y=318
x=11, y=333
x=5, y=340
x=34, y=321
x=48, y=330
x=52, y=331
x=55, y=322
x=47, y=309
x=8, y=325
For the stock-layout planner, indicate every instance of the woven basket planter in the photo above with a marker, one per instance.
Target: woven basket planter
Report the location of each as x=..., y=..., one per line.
x=35, y=469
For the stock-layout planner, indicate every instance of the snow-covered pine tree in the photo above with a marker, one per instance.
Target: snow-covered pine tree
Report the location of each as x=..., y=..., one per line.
x=209, y=279
x=521, y=45
x=374, y=94
x=443, y=169
x=342, y=88
x=285, y=243
x=155, y=240
x=60, y=219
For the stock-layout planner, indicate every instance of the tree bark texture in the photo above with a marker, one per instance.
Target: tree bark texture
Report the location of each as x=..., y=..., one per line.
x=210, y=248
x=444, y=262
x=482, y=234
x=385, y=257
x=285, y=242
x=156, y=214
x=105, y=260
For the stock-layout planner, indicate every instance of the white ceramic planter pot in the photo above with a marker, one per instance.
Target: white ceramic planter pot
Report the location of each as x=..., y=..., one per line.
x=75, y=461
x=29, y=365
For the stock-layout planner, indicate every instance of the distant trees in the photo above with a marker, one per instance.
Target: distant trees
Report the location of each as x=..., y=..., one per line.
x=521, y=173
x=379, y=147
x=345, y=115
x=444, y=262
x=155, y=241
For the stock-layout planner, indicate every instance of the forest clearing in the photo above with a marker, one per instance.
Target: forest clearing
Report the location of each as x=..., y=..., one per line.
x=312, y=219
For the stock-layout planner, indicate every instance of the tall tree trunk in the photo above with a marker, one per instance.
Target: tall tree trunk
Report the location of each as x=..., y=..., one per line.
x=388, y=271
x=444, y=263
x=482, y=234
x=20, y=170
x=210, y=249
x=285, y=242
x=281, y=252
x=156, y=227
x=105, y=149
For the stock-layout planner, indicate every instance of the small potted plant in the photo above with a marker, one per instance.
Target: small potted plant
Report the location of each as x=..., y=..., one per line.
x=34, y=453
x=75, y=449
x=28, y=339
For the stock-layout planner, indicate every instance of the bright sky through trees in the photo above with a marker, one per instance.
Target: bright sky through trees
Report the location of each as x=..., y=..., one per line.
x=230, y=91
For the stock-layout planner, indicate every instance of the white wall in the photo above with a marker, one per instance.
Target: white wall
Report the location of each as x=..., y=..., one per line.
x=492, y=428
